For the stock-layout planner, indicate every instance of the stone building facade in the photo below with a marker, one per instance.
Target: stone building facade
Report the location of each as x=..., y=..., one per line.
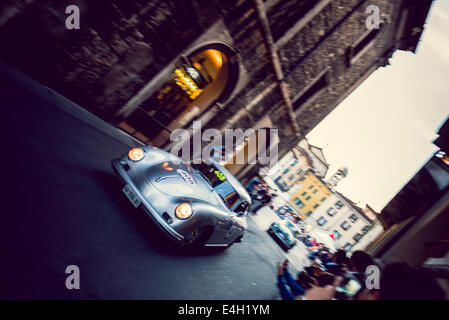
x=281, y=64
x=309, y=194
x=291, y=167
x=347, y=222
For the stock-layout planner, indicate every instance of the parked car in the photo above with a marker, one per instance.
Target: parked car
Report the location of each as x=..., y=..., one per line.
x=294, y=229
x=282, y=235
x=198, y=203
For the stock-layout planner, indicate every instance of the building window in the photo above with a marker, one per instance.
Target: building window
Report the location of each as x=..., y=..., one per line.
x=315, y=191
x=345, y=225
x=366, y=229
x=322, y=200
x=353, y=218
x=300, y=172
x=316, y=206
x=294, y=162
x=339, y=204
x=304, y=193
x=337, y=234
x=291, y=177
x=286, y=171
x=317, y=86
x=311, y=187
x=357, y=237
x=308, y=198
x=280, y=184
x=321, y=221
x=347, y=247
x=299, y=203
x=196, y=76
x=362, y=45
x=331, y=212
x=308, y=213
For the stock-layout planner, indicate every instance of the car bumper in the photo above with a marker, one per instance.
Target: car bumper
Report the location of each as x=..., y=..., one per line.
x=149, y=209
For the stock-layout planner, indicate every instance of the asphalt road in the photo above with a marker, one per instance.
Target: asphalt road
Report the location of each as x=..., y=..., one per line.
x=63, y=206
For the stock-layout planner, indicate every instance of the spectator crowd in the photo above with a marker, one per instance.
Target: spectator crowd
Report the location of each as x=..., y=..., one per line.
x=338, y=276
x=335, y=276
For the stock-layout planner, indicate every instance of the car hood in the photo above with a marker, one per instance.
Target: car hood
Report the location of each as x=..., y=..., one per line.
x=179, y=180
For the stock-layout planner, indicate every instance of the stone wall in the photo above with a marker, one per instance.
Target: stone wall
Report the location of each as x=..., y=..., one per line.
x=120, y=46
x=322, y=42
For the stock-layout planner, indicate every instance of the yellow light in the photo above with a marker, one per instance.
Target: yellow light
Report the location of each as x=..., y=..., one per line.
x=183, y=211
x=183, y=80
x=136, y=154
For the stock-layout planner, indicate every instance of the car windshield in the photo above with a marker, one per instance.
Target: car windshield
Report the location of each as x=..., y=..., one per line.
x=219, y=182
x=285, y=231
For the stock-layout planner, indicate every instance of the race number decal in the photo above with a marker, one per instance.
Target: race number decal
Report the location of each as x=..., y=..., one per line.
x=220, y=175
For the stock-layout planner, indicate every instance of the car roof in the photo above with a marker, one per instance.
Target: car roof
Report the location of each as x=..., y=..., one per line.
x=239, y=188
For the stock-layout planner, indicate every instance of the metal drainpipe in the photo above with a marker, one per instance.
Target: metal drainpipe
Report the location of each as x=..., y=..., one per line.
x=268, y=39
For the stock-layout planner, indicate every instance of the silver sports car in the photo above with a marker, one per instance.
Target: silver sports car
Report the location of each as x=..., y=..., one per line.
x=197, y=203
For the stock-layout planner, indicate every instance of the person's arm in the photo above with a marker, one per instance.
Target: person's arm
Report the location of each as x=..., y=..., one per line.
x=326, y=293
x=294, y=286
x=283, y=288
x=282, y=284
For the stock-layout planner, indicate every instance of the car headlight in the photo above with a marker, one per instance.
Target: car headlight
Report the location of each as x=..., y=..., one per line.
x=183, y=211
x=136, y=154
